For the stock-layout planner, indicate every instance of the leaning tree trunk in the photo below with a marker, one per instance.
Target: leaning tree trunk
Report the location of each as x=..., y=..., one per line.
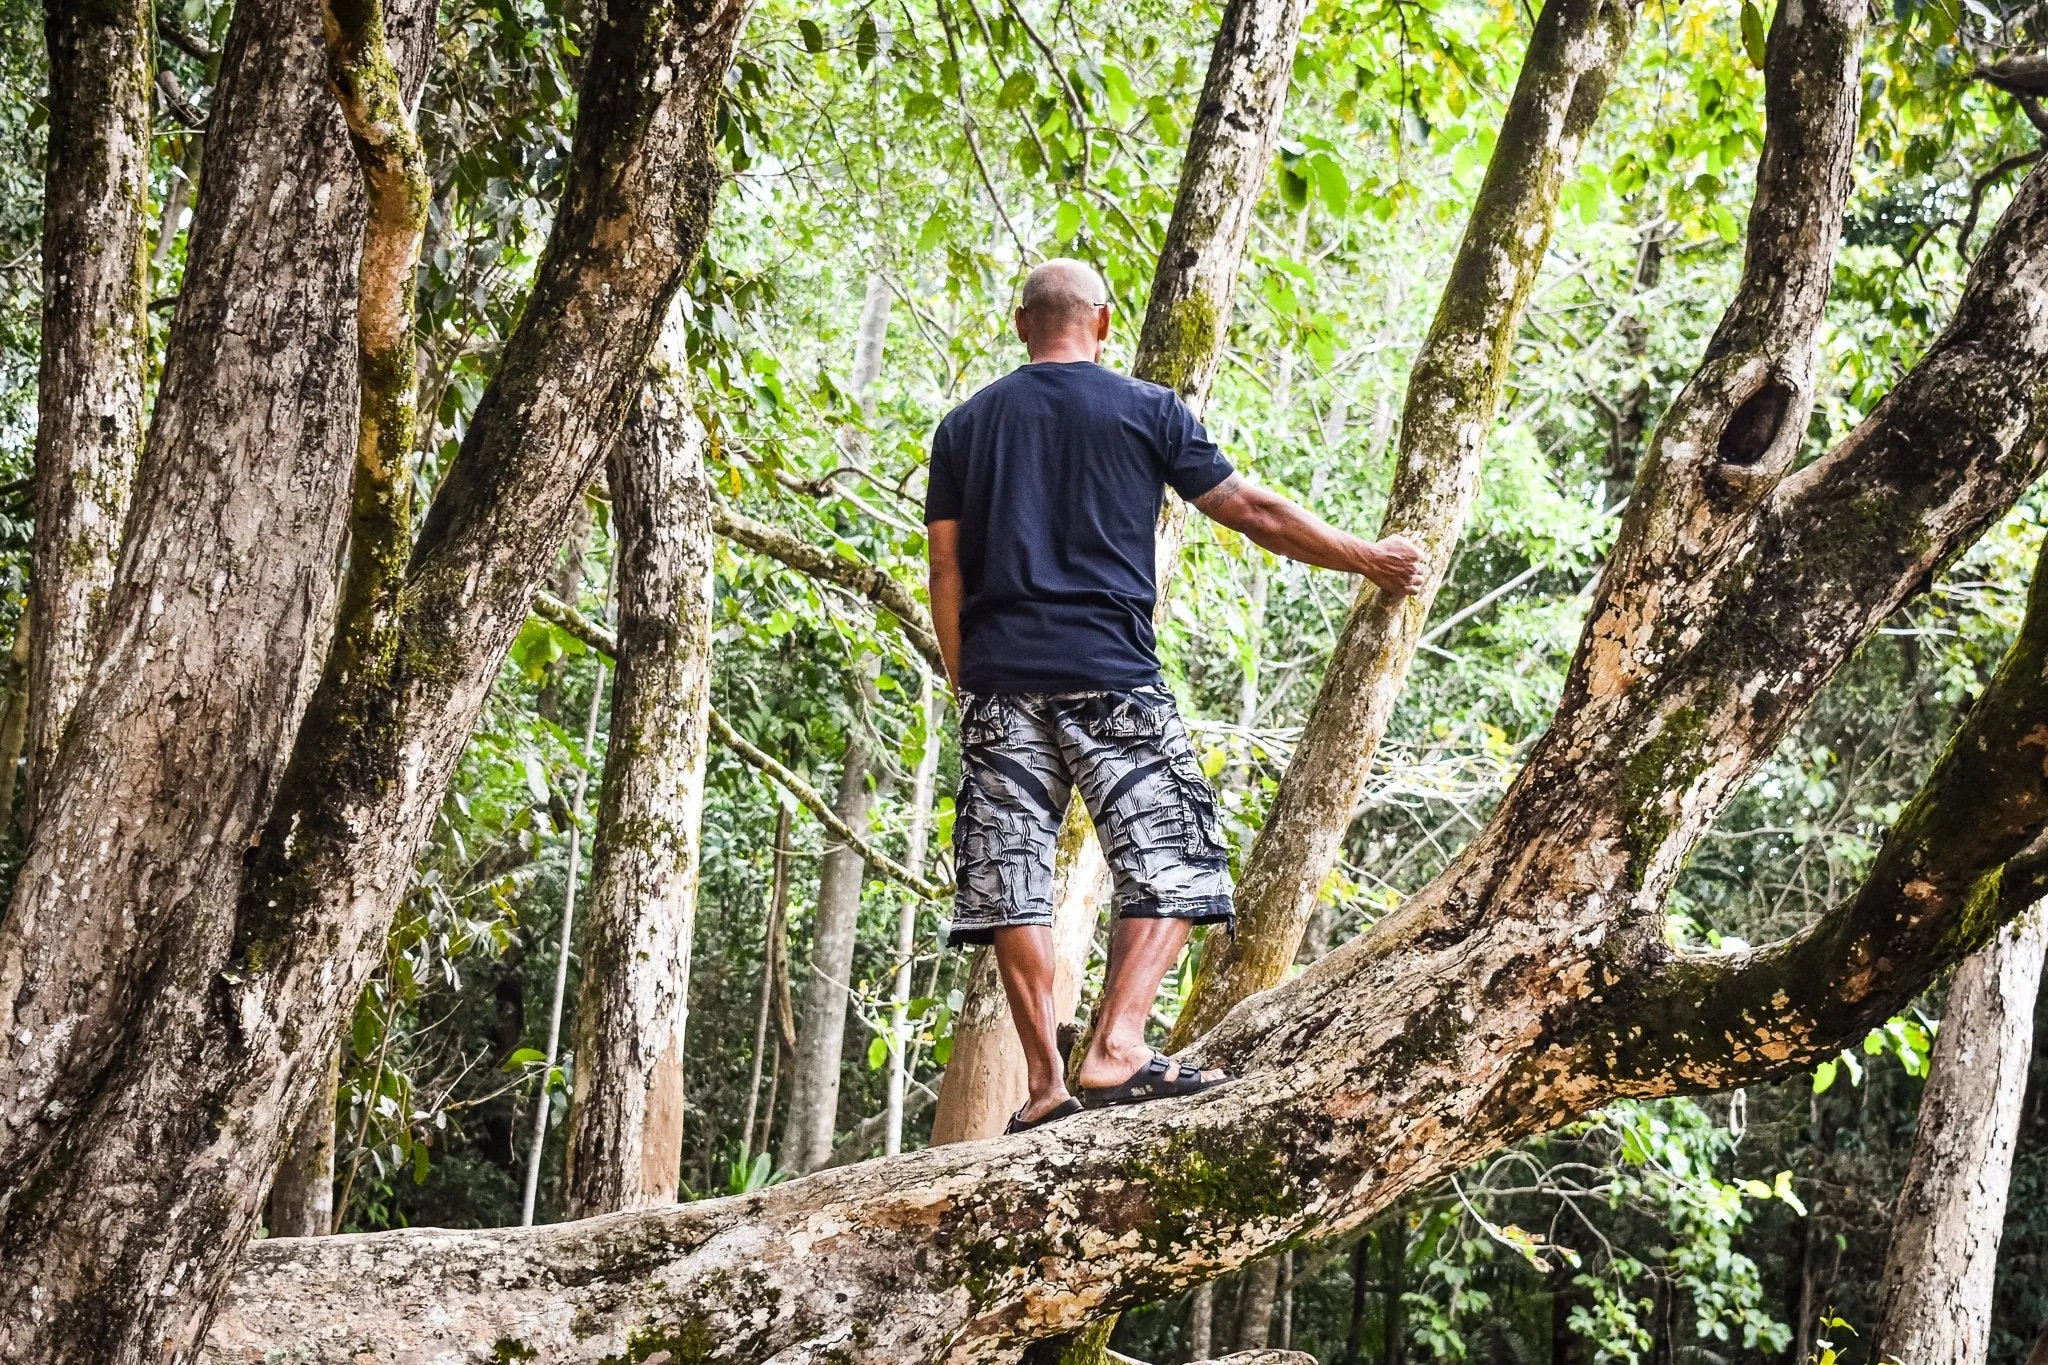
x=133, y=1201
x=1223, y=176
x=626, y=1121
x=95, y=343
x=1935, y=1304
x=821, y=1026
x=1529, y=983
x=1454, y=390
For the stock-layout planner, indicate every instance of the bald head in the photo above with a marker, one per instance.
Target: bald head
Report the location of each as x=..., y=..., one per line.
x=1065, y=309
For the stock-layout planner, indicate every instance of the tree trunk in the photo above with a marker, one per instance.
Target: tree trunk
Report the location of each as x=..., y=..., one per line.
x=1256, y=1295
x=774, y=948
x=626, y=1119
x=1180, y=346
x=1454, y=388
x=1202, y=1320
x=821, y=1029
x=177, y=1085
x=1935, y=1304
x=14, y=723
x=1393, y=1245
x=95, y=344
x=906, y=919
x=302, y=1196
x=1529, y=983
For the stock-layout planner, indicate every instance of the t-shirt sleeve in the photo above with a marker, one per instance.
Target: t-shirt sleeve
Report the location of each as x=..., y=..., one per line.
x=1193, y=463
x=942, y=481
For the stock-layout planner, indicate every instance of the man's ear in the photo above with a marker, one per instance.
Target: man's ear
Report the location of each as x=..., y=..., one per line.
x=1102, y=323
x=1023, y=329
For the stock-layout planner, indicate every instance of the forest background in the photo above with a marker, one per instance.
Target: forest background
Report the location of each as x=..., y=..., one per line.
x=893, y=170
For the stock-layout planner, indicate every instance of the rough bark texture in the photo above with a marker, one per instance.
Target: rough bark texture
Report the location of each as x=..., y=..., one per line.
x=1257, y=1292
x=95, y=343
x=821, y=1026
x=1179, y=345
x=302, y=1197
x=1935, y=1304
x=13, y=720
x=1531, y=982
x=140, y=1191
x=227, y=570
x=1454, y=389
x=626, y=1119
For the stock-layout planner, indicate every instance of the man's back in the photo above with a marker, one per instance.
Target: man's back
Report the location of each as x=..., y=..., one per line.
x=1055, y=474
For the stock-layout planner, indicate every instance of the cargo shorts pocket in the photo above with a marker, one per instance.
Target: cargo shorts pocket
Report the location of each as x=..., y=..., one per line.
x=983, y=720
x=1201, y=827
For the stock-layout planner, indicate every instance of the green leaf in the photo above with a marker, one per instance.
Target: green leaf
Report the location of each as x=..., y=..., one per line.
x=1754, y=33
x=1016, y=90
x=867, y=40
x=813, y=36
x=523, y=1058
x=1783, y=1189
x=1331, y=186
x=878, y=1052
x=923, y=104
x=1823, y=1077
x=1067, y=221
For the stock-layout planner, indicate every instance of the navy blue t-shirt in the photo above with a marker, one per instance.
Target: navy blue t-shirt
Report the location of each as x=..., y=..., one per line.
x=1056, y=473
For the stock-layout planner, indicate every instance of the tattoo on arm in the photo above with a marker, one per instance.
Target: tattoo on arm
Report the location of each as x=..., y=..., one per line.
x=1216, y=498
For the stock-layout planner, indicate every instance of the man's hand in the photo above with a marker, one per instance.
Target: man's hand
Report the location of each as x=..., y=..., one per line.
x=1397, y=566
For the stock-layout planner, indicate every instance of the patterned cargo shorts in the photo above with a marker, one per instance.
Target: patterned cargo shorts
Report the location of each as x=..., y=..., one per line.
x=1022, y=756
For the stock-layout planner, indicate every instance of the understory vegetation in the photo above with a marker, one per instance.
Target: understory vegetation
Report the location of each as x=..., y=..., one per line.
x=923, y=153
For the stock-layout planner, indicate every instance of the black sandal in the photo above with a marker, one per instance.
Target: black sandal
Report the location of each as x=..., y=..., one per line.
x=1065, y=1109
x=1149, y=1082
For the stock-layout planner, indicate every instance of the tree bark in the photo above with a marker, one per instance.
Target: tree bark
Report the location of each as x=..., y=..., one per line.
x=774, y=997
x=626, y=1118
x=1454, y=388
x=302, y=1196
x=1529, y=983
x=14, y=723
x=821, y=1028
x=95, y=344
x=914, y=853
x=179, y=1085
x=1180, y=345
x=1256, y=1296
x=1934, y=1307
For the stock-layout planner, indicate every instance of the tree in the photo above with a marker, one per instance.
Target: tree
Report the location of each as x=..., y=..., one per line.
x=95, y=344
x=1530, y=982
x=1935, y=1305
x=170, y=1038
x=625, y=1140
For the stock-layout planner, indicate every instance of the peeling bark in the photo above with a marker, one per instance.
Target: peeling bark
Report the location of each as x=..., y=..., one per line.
x=171, y=1141
x=625, y=1137
x=1454, y=390
x=95, y=344
x=1935, y=1304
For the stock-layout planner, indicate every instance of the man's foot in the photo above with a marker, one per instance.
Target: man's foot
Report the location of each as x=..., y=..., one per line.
x=1157, y=1077
x=1066, y=1108
x=1042, y=1108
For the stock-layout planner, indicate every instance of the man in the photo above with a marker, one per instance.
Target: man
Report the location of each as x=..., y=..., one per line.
x=1044, y=495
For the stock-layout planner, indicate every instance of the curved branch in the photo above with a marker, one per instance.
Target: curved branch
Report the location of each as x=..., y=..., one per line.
x=877, y=585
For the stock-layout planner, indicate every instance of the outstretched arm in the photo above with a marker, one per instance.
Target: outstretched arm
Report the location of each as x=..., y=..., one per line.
x=942, y=541
x=1396, y=565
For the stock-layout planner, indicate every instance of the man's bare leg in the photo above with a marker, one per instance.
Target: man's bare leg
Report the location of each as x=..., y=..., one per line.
x=1141, y=952
x=1024, y=955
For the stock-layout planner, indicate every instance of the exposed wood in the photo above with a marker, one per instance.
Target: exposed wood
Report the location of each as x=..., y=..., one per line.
x=95, y=344
x=1935, y=1302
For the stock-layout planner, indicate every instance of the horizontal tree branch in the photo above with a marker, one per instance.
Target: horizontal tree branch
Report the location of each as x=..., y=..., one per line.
x=559, y=613
x=882, y=588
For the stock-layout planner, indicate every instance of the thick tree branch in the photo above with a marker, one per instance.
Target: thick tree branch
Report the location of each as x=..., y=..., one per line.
x=877, y=585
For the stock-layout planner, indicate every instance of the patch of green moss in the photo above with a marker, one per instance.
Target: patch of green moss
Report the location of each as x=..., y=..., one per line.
x=1980, y=917
x=1199, y=1178
x=1188, y=346
x=1666, y=764
x=505, y=1350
